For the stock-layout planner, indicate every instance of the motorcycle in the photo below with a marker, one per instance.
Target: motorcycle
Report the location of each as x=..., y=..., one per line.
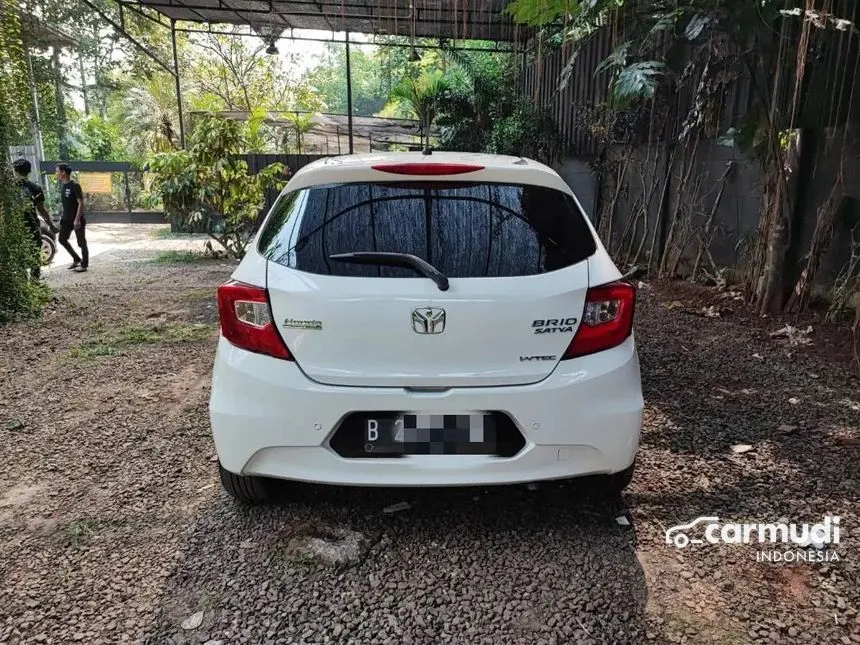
x=49, y=243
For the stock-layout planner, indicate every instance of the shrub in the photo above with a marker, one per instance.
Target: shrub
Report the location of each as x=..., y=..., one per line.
x=208, y=188
x=19, y=294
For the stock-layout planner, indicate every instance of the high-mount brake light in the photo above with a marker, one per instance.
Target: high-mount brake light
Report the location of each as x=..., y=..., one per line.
x=246, y=320
x=607, y=320
x=427, y=169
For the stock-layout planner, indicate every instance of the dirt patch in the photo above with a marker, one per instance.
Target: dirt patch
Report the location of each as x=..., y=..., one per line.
x=833, y=343
x=313, y=542
x=111, y=426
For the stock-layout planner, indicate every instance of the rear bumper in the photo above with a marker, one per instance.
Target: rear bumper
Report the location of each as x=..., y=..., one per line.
x=269, y=419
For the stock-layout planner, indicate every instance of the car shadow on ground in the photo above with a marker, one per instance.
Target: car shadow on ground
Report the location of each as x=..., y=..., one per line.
x=495, y=565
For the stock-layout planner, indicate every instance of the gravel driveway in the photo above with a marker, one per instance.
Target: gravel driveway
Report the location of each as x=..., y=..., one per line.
x=113, y=527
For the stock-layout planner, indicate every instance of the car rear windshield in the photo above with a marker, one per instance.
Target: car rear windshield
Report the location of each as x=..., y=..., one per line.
x=465, y=230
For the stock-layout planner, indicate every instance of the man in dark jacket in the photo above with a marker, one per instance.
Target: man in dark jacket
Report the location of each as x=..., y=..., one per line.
x=72, y=197
x=34, y=198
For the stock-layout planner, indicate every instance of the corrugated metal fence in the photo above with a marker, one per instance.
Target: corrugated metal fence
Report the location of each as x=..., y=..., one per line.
x=565, y=80
x=540, y=81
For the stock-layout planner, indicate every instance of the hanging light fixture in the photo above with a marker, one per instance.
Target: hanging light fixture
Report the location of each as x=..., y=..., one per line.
x=269, y=31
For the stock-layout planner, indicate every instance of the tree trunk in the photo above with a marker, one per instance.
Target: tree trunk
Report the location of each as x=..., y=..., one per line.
x=62, y=132
x=774, y=262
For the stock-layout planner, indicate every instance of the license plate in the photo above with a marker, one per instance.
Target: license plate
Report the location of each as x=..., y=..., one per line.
x=430, y=434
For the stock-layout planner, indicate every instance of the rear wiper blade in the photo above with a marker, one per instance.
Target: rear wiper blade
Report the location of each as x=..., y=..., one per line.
x=395, y=259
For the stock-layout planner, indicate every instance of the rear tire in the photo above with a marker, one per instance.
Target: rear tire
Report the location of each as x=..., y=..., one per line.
x=246, y=489
x=610, y=487
x=620, y=481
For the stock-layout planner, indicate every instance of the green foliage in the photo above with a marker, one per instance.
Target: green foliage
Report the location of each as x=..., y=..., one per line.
x=121, y=340
x=146, y=113
x=19, y=256
x=423, y=95
x=483, y=90
x=256, y=134
x=636, y=81
x=19, y=294
x=650, y=64
x=302, y=125
x=180, y=257
x=481, y=109
x=235, y=73
x=528, y=132
x=536, y=13
x=630, y=81
x=370, y=74
x=207, y=187
x=101, y=139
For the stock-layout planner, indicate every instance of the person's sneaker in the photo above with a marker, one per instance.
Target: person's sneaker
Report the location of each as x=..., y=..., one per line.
x=75, y=265
x=80, y=269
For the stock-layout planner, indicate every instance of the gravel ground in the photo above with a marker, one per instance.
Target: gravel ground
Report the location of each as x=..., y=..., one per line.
x=113, y=527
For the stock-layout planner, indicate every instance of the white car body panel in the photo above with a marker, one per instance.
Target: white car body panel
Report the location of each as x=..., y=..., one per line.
x=358, y=168
x=368, y=337
x=273, y=418
x=269, y=419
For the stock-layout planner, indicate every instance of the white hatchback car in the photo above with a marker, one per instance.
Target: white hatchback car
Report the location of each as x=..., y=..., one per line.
x=425, y=320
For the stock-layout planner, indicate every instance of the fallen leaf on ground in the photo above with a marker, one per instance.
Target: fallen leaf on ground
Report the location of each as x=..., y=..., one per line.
x=794, y=335
x=193, y=621
x=674, y=304
x=741, y=448
x=848, y=441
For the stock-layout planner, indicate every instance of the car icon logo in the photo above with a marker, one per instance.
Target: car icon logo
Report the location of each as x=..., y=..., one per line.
x=678, y=537
x=428, y=320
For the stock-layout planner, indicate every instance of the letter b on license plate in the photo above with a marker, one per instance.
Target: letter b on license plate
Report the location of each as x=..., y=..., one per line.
x=427, y=433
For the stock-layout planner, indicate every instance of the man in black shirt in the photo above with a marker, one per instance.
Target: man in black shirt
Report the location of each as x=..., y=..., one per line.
x=34, y=197
x=72, y=198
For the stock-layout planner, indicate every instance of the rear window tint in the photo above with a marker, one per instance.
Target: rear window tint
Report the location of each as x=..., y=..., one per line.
x=464, y=230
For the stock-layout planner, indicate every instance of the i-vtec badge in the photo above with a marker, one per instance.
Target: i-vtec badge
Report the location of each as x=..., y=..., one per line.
x=554, y=325
x=524, y=359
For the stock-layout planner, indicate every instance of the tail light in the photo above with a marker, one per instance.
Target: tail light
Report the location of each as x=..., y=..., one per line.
x=246, y=320
x=425, y=169
x=607, y=320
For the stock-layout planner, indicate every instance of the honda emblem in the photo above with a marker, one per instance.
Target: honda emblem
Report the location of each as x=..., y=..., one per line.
x=428, y=320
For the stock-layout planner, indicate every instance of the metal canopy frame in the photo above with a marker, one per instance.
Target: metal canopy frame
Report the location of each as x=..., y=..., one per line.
x=448, y=19
x=445, y=20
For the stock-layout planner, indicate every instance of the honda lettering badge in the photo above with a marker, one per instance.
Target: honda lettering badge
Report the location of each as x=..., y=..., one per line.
x=428, y=320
